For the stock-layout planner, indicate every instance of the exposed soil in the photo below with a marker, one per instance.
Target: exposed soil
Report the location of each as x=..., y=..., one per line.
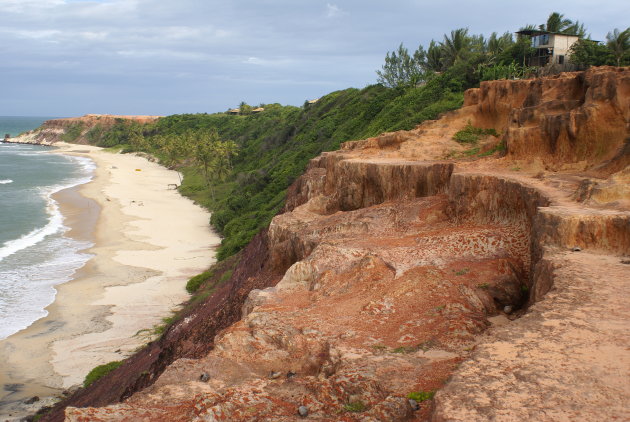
x=499, y=281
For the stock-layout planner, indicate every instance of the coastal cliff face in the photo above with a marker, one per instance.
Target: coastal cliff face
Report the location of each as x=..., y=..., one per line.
x=54, y=130
x=499, y=282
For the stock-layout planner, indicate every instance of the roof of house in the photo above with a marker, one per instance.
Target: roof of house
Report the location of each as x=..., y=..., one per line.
x=541, y=32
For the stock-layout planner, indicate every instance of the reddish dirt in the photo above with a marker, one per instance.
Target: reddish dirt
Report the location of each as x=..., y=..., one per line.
x=396, y=269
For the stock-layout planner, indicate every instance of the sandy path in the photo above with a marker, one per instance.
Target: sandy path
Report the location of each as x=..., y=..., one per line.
x=148, y=241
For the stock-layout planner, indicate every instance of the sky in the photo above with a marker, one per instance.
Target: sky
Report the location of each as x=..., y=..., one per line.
x=160, y=57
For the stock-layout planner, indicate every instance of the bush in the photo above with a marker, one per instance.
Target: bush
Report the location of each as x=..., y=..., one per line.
x=193, y=284
x=72, y=132
x=471, y=134
x=357, y=406
x=421, y=396
x=100, y=371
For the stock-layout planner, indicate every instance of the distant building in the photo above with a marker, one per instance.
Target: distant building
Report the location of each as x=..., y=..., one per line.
x=234, y=111
x=551, y=48
x=313, y=101
x=258, y=110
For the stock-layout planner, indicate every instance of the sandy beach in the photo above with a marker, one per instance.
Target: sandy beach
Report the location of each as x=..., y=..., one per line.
x=148, y=240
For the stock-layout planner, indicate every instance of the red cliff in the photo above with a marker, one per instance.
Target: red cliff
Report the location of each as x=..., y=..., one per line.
x=396, y=269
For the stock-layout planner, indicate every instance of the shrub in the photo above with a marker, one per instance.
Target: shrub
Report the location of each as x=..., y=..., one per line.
x=100, y=371
x=357, y=406
x=471, y=134
x=72, y=132
x=421, y=396
x=193, y=284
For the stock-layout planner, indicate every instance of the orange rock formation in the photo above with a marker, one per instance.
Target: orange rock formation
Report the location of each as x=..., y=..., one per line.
x=500, y=282
x=52, y=131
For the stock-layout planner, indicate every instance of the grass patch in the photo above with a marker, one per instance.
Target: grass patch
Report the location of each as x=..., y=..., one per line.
x=116, y=149
x=462, y=271
x=225, y=276
x=421, y=396
x=357, y=406
x=72, y=132
x=193, y=284
x=483, y=286
x=100, y=371
x=500, y=147
x=471, y=134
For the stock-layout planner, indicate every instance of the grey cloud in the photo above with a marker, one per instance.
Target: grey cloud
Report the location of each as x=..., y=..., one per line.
x=162, y=57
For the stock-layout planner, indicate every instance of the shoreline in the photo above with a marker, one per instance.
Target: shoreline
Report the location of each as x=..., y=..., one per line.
x=147, y=241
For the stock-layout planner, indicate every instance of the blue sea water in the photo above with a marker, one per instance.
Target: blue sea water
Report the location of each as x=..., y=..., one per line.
x=34, y=253
x=14, y=125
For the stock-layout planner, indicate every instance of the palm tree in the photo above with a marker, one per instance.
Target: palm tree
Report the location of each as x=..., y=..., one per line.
x=556, y=23
x=434, y=57
x=618, y=43
x=456, y=47
x=497, y=44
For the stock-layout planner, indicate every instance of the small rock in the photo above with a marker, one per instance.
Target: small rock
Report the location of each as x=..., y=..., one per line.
x=303, y=411
x=576, y=249
x=32, y=400
x=204, y=377
x=625, y=261
x=508, y=309
x=273, y=375
x=291, y=374
x=354, y=398
x=414, y=404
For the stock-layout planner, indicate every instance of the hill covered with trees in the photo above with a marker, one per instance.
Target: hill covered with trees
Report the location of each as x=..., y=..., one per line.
x=239, y=166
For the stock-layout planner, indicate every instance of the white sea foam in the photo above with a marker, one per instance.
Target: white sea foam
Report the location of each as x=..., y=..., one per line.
x=5, y=181
x=45, y=258
x=55, y=219
x=30, y=288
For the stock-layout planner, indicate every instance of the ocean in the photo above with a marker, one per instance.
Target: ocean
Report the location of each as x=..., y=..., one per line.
x=34, y=253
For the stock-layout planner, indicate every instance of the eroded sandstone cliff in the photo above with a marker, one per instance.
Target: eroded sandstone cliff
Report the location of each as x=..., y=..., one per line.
x=54, y=130
x=500, y=282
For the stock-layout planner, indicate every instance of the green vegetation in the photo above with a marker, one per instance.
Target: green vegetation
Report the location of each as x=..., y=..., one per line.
x=226, y=276
x=614, y=52
x=462, y=271
x=471, y=134
x=100, y=371
x=483, y=286
x=240, y=166
x=421, y=396
x=357, y=406
x=73, y=132
x=193, y=284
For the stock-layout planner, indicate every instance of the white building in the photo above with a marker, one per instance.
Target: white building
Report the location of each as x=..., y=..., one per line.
x=551, y=48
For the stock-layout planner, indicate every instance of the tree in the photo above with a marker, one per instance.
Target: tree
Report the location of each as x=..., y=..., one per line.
x=434, y=57
x=204, y=151
x=618, y=43
x=586, y=53
x=402, y=70
x=456, y=47
x=498, y=44
x=556, y=22
x=244, y=109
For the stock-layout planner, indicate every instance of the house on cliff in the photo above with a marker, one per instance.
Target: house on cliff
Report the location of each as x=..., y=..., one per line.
x=551, y=48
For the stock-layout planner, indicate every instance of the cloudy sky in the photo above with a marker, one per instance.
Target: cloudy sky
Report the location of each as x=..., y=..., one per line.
x=72, y=57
